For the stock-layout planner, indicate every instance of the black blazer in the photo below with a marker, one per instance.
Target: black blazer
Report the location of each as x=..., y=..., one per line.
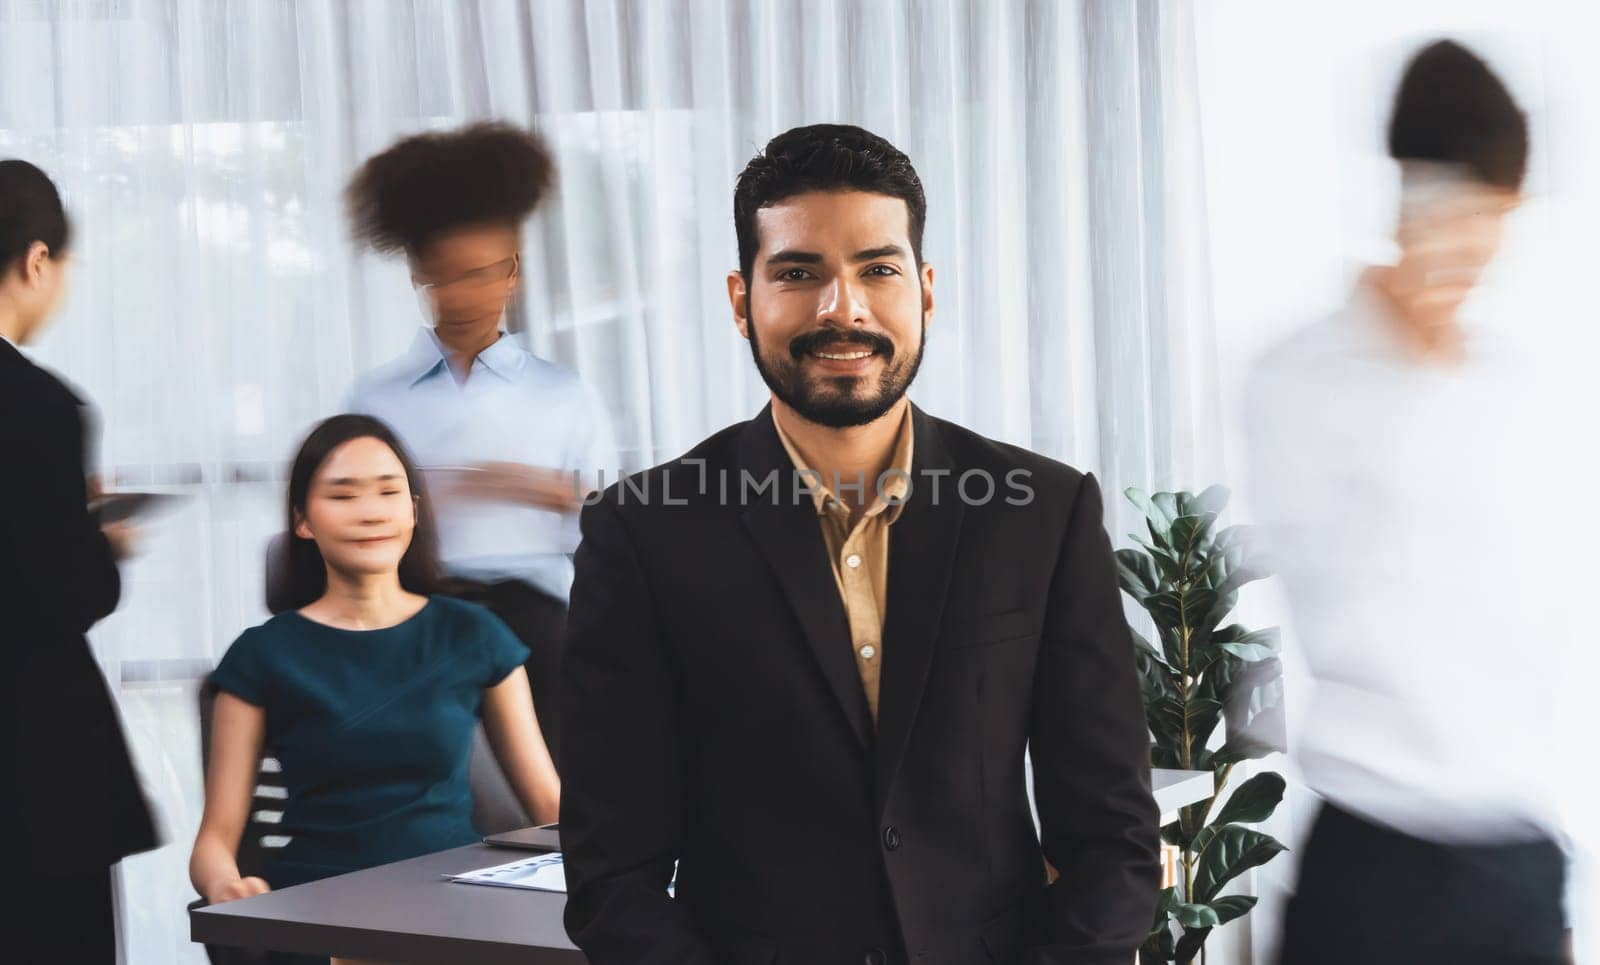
x=71, y=799
x=714, y=715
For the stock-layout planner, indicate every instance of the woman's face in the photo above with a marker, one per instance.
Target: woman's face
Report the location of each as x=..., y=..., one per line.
x=466, y=276
x=359, y=509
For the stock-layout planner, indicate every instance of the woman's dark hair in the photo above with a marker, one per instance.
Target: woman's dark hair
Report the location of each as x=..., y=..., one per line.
x=308, y=573
x=824, y=157
x=30, y=211
x=1452, y=109
x=427, y=184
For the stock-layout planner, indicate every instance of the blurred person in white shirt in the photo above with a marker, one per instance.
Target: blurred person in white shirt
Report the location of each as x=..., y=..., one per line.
x=1395, y=460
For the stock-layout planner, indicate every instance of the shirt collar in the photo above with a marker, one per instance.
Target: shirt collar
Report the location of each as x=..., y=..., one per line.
x=896, y=485
x=427, y=356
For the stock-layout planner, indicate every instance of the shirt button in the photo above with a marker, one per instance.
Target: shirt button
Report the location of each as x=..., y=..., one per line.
x=868, y=652
x=853, y=560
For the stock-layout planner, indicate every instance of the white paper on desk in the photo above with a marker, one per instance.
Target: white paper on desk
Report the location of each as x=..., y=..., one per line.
x=544, y=872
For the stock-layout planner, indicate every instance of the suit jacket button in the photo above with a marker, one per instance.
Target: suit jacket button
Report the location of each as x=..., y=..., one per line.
x=891, y=838
x=875, y=956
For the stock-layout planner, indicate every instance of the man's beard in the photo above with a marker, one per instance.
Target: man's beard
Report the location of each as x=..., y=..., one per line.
x=830, y=400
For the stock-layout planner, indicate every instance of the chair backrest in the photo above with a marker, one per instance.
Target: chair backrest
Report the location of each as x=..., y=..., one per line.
x=276, y=574
x=495, y=807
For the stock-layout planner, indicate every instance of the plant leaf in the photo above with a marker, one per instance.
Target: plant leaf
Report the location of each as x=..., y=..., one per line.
x=1233, y=906
x=1196, y=604
x=1164, y=945
x=1170, y=647
x=1201, y=717
x=1236, y=545
x=1158, y=535
x=1198, y=709
x=1235, y=539
x=1166, y=561
x=1189, y=945
x=1166, y=608
x=1164, y=905
x=1271, y=638
x=1192, y=916
x=1219, y=676
x=1213, y=639
x=1159, y=511
x=1188, y=534
x=1221, y=604
x=1162, y=755
x=1249, y=652
x=1155, y=677
x=1254, y=706
x=1140, y=500
x=1233, y=752
x=1252, y=801
x=1230, y=851
x=1165, y=717
x=1136, y=572
x=1239, y=575
x=1167, y=505
x=1216, y=568
x=1212, y=500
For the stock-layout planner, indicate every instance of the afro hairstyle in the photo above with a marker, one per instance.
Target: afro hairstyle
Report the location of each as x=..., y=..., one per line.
x=428, y=184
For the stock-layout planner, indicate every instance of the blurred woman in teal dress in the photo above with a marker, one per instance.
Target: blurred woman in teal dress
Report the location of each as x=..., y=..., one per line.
x=368, y=690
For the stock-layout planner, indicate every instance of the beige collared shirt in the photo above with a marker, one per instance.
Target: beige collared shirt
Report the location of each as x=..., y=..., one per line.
x=859, y=550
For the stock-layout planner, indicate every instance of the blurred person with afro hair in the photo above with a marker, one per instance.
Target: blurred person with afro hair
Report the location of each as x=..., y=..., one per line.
x=508, y=442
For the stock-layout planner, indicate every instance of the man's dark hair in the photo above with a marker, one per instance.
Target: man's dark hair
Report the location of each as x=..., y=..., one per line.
x=30, y=210
x=1451, y=108
x=428, y=184
x=824, y=157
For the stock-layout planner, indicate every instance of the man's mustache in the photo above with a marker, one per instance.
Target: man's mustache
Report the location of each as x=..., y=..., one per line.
x=808, y=342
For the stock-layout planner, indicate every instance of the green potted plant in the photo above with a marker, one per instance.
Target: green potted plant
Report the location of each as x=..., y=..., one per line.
x=1187, y=576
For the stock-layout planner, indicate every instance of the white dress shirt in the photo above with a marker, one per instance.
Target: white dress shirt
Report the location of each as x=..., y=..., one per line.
x=512, y=407
x=1407, y=504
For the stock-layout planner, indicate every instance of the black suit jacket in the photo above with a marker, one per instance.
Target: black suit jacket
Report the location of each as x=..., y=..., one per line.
x=71, y=801
x=714, y=715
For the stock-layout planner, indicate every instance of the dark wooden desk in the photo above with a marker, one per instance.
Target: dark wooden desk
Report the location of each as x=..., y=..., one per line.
x=401, y=912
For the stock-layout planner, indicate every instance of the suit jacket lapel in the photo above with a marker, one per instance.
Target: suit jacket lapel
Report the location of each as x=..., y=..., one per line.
x=922, y=550
x=785, y=528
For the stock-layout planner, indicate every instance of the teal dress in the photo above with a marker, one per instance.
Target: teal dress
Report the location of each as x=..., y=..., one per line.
x=373, y=729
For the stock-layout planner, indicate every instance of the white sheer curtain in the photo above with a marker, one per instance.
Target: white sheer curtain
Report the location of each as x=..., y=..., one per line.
x=219, y=309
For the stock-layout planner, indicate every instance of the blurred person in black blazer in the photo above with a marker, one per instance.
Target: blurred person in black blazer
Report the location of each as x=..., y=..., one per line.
x=72, y=806
x=804, y=661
